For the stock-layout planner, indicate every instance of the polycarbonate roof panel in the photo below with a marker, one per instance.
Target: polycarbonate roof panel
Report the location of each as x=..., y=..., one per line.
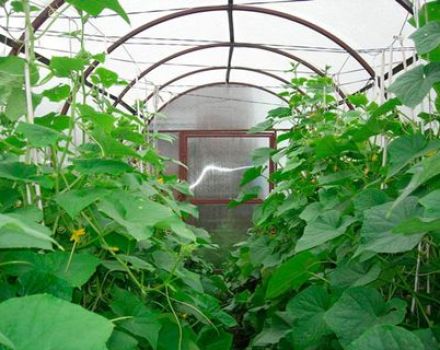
x=377, y=30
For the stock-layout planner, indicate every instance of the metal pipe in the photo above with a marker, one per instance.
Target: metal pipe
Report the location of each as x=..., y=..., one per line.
x=207, y=69
x=210, y=46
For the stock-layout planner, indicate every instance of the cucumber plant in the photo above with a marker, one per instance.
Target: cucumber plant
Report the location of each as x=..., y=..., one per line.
x=95, y=251
x=344, y=252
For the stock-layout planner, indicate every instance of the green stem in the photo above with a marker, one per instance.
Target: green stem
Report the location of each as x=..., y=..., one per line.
x=179, y=325
x=108, y=248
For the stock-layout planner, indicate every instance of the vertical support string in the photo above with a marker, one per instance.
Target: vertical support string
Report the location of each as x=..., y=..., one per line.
x=31, y=154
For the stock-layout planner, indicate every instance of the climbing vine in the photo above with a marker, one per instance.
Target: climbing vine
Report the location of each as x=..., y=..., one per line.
x=96, y=252
x=344, y=252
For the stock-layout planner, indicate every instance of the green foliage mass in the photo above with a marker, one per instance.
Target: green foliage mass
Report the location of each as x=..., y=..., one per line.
x=96, y=252
x=343, y=253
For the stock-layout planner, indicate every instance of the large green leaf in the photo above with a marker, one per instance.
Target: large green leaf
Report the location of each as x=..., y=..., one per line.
x=430, y=11
x=112, y=147
x=11, y=71
x=280, y=112
x=354, y=274
x=206, y=304
x=101, y=166
x=39, y=136
x=427, y=337
x=423, y=172
x=379, y=222
x=171, y=338
x=261, y=156
x=370, y=197
x=16, y=231
x=329, y=145
x=292, y=274
x=103, y=121
x=58, y=93
x=54, y=121
x=358, y=99
x=42, y=282
x=250, y=175
x=11, y=86
x=212, y=339
x=263, y=126
x=44, y=322
x=180, y=228
x=64, y=66
x=387, y=337
x=122, y=341
x=387, y=107
x=6, y=342
x=427, y=37
x=95, y=7
x=417, y=225
x=245, y=195
x=74, y=201
x=16, y=104
x=407, y=148
x=361, y=308
x=17, y=171
x=273, y=332
x=431, y=203
x=18, y=6
x=138, y=215
x=105, y=77
x=413, y=86
x=141, y=321
x=76, y=269
x=324, y=228
x=308, y=309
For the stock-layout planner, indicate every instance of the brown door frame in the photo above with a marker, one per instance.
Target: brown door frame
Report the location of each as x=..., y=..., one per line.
x=184, y=135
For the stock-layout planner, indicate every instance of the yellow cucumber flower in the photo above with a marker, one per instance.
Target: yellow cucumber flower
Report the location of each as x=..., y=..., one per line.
x=77, y=234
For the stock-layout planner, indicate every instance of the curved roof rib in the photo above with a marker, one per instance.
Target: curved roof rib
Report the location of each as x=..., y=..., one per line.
x=210, y=46
x=208, y=69
x=57, y=4
x=254, y=9
x=244, y=8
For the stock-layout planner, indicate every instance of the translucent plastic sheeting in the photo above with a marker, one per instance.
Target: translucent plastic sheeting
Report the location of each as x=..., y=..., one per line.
x=221, y=107
x=369, y=27
x=216, y=165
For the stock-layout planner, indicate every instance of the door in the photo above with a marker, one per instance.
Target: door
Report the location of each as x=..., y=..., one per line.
x=216, y=162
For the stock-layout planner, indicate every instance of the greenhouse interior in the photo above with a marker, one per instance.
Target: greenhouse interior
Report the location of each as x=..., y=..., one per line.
x=219, y=175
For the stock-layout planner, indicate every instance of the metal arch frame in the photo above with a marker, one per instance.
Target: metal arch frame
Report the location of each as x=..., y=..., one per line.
x=406, y=5
x=231, y=38
x=217, y=45
x=209, y=46
x=208, y=69
x=231, y=7
x=243, y=8
x=56, y=4
x=198, y=87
